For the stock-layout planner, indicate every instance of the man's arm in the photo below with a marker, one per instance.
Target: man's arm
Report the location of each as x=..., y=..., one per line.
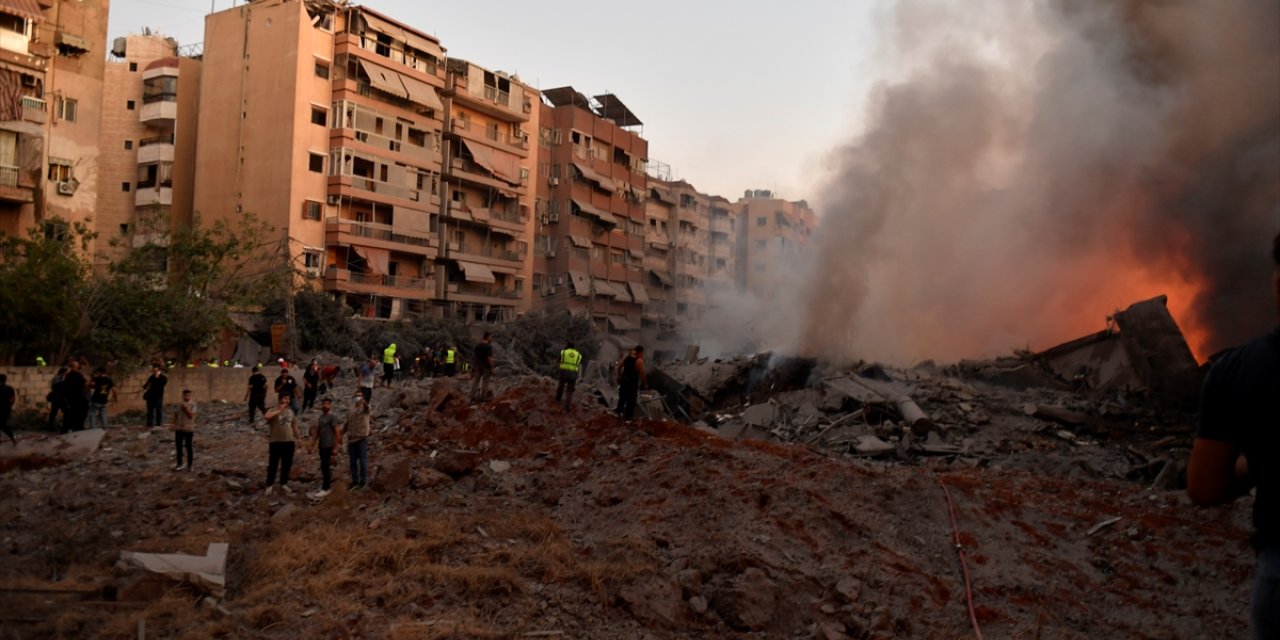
x=1217, y=473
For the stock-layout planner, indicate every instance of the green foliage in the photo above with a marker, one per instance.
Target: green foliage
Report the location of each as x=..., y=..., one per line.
x=323, y=324
x=44, y=285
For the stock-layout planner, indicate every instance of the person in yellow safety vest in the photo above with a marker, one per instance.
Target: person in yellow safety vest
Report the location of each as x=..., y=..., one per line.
x=388, y=364
x=451, y=362
x=570, y=362
x=40, y=361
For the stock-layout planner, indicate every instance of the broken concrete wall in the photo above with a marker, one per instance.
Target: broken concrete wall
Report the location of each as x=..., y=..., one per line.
x=1159, y=352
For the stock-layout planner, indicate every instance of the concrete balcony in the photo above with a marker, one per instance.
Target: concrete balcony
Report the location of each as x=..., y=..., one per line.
x=482, y=294
x=347, y=281
x=343, y=232
x=34, y=110
x=147, y=196
x=15, y=187
x=159, y=110
x=152, y=150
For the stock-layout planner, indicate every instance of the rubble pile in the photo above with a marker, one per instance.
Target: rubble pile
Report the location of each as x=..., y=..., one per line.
x=800, y=500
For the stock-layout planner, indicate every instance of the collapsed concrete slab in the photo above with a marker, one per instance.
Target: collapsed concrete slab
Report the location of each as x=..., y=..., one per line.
x=206, y=573
x=48, y=451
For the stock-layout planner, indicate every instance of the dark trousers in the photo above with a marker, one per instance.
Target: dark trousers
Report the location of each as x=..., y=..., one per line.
x=367, y=392
x=279, y=454
x=184, y=439
x=627, y=399
x=257, y=403
x=568, y=382
x=326, y=473
x=358, y=456
x=4, y=425
x=308, y=397
x=55, y=406
x=73, y=416
x=155, y=412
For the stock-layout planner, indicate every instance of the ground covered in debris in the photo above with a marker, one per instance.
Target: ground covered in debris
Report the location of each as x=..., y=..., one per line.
x=511, y=519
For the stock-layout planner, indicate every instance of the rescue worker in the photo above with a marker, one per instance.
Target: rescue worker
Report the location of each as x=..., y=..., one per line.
x=388, y=364
x=630, y=377
x=570, y=362
x=451, y=362
x=40, y=361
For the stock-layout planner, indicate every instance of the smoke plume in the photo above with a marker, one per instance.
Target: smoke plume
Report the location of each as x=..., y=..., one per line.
x=1041, y=164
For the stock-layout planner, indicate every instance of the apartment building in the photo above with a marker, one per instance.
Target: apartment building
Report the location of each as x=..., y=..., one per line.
x=659, y=317
x=591, y=227
x=52, y=58
x=326, y=122
x=150, y=114
x=772, y=233
x=722, y=242
x=487, y=202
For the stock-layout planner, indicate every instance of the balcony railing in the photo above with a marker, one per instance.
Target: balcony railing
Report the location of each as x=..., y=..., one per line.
x=31, y=102
x=160, y=97
x=487, y=292
x=384, y=188
x=376, y=231
x=492, y=94
x=146, y=142
x=397, y=282
x=487, y=252
x=506, y=216
x=9, y=176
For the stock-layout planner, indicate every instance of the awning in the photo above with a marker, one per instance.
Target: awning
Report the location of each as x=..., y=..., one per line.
x=476, y=272
x=663, y=194
x=421, y=92
x=72, y=40
x=621, y=288
x=28, y=9
x=579, y=241
x=503, y=231
x=662, y=277
x=586, y=209
x=382, y=26
x=480, y=214
x=638, y=292
x=378, y=260
x=590, y=174
x=384, y=79
x=481, y=154
x=581, y=283
x=460, y=213
x=603, y=288
x=621, y=323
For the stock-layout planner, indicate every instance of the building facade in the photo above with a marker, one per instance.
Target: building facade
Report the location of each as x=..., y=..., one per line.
x=150, y=115
x=52, y=59
x=773, y=235
x=591, y=207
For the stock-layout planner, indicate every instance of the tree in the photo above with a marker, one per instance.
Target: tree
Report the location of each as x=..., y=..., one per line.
x=45, y=290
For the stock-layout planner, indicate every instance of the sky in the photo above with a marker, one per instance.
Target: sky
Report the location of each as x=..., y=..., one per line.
x=734, y=95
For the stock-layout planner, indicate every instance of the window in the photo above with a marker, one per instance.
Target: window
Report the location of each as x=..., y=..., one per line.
x=762, y=221
x=13, y=23
x=316, y=163
x=67, y=109
x=417, y=137
x=133, y=66
x=311, y=210
x=319, y=116
x=60, y=171
x=129, y=104
x=615, y=257
x=322, y=70
x=128, y=144
x=125, y=186
x=311, y=259
x=124, y=227
x=56, y=230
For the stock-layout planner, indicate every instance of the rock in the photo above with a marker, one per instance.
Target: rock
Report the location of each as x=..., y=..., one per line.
x=698, y=605
x=760, y=415
x=832, y=631
x=654, y=601
x=456, y=463
x=732, y=430
x=499, y=466
x=749, y=604
x=828, y=608
x=397, y=478
x=428, y=478
x=871, y=445
x=850, y=589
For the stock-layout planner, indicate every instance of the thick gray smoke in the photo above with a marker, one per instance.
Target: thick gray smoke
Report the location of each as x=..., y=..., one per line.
x=1041, y=164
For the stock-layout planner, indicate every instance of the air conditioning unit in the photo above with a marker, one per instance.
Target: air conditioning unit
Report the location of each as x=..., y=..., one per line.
x=66, y=188
x=333, y=199
x=553, y=181
x=553, y=217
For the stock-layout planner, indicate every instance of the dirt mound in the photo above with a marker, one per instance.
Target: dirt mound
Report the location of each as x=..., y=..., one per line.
x=512, y=518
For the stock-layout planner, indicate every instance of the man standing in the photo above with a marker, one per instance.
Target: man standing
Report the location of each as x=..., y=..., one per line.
x=282, y=432
x=450, y=362
x=286, y=384
x=368, y=378
x=75, y=395
x=326, y=435
x=630, y=377
x=310, y=385
x=358, y=430
x=153, y=394
x=56, y=404
x=484, y=368
x=104, y=391
x=7, y=399
x=256, y=393
x=570, y=362
x=388, y=364
x=184, y=429
x=1237, y=447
